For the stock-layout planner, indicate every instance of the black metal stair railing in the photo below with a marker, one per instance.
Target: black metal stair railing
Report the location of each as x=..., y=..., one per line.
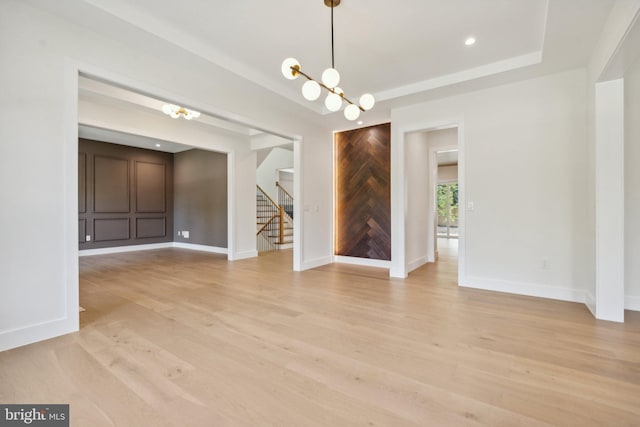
x=285, y=200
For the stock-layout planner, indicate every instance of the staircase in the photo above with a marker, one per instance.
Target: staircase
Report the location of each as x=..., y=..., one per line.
x=274, y=226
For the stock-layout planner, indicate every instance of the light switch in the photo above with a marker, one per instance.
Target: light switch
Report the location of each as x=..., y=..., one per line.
x=470, y=206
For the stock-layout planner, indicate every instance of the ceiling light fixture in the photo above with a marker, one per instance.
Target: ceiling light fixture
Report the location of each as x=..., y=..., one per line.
x=175, y=111
x=312, y=88
x=470, y=41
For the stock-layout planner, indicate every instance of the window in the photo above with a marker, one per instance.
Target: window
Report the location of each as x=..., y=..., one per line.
x=447, y=197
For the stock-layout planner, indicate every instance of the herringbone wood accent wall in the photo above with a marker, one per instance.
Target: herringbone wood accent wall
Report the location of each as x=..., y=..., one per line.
x=363, y=192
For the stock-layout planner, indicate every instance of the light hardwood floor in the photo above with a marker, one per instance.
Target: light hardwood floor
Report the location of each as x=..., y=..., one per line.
x=183, y=338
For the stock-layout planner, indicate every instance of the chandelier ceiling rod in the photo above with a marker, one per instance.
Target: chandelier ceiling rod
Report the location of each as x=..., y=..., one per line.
x=333, y=58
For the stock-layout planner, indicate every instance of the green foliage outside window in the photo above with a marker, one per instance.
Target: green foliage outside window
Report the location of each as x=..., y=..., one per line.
x=448, y=193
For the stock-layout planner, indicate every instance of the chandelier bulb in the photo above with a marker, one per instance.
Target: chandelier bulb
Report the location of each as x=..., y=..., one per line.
x=311, y=90
x=352, y=112
x=367, y=101
x=333, y=102
x=331, y=77
x=287, y=64
x=168, y=108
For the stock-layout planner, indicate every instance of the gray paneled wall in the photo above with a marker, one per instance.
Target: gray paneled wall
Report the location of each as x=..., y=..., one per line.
x=125, y=195
x=200, y=179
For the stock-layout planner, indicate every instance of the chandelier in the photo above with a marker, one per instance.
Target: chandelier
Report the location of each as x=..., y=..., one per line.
x=175, y=111
x=312, y=88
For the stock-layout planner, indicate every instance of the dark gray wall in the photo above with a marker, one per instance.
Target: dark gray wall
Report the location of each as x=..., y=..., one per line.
x=200, y=195
x=125, y=195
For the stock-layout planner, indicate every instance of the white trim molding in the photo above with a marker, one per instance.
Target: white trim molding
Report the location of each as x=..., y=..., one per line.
x=367, y=262
x=152, y=246
x=590, y=302
x=527, y=289
x=417, y=263
x=33, y=333
x=316, y=262
x=243, y=255
x=201, y=248
x=632, y=302
x=121, y=249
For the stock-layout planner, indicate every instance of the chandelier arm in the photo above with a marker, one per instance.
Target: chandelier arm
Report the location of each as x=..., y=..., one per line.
x=341, y=95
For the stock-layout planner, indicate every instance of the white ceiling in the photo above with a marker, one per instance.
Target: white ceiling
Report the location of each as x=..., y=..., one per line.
x=403, y=52
x=122, y=138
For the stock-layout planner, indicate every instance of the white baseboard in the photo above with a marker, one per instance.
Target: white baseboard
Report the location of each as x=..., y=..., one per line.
x=316, y=262
x=134, y=248
x=120, y=249
x=243, y=255
x=590, y=302
x=38, y=332
x=632, y=302
x=202, y=248
x=529, y=289
x=362, y=261
x=417, y=263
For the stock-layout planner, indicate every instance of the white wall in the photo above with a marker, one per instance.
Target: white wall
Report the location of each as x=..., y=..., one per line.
x=38, y=122
x=632, y=186
x=285, y=179
x=447, y=174
x=418, y=183
x=267, y=173
x=526, y=210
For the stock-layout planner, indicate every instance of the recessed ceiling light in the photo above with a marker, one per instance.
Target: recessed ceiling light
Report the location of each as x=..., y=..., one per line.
x=470, y=41
x=360, y=122
x=158, y=145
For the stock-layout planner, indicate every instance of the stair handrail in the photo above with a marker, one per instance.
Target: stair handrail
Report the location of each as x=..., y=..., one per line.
x=266, y=224
x=283, y=189
x=264, y=193
x=277, y=210
x=287, y=201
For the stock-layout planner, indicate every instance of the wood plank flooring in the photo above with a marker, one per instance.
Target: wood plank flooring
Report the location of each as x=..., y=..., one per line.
x=181, y=338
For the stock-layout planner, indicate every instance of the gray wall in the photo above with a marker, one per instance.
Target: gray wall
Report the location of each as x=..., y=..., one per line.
x=125, y=195
x=200, y=193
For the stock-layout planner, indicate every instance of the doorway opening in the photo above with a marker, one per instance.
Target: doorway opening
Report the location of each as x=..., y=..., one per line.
x=447, y=204
x=447, y=210
x=134, y=116
x=428, y=209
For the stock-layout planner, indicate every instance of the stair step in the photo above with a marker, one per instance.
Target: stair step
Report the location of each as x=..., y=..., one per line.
x=278, y=235
x=286, y=242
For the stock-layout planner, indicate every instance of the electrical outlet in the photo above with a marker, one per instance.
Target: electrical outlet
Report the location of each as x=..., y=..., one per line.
x=179, y=233
x=185, y=234
x=87, y=238
x=546, y=265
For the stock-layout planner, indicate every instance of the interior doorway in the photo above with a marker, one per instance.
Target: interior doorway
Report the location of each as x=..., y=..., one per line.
x=447, y=204
x=447, y=195
x=440, y=149
x=275, y=177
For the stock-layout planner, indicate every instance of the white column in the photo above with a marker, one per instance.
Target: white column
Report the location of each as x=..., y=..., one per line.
x=610, y=200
